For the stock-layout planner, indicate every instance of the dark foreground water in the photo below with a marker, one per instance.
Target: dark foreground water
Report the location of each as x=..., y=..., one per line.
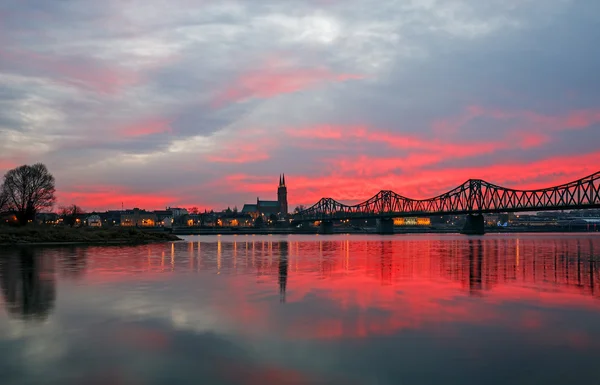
x=429, y=309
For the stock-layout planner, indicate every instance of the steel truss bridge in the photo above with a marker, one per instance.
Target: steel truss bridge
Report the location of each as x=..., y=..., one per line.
x=475, y=196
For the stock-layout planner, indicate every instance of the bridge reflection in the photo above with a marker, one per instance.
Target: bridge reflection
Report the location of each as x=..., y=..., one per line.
x=544, y=264
x=477, y=265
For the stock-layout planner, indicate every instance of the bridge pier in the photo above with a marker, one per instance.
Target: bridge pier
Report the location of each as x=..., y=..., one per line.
x=385, y=226
x=474, y=225
x=326, y=227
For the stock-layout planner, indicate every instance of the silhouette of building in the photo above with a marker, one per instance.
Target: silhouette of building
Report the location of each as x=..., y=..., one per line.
x=138, y=218
x=266, y=208
x=282, y=196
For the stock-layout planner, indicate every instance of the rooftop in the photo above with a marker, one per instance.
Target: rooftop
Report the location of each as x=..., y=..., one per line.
x=268, y=203
x=249, y=207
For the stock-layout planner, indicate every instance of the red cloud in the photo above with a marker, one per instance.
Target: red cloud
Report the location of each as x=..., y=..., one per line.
x=113, y=198
x=353, y=180
x=344, y=134
x=272, y=82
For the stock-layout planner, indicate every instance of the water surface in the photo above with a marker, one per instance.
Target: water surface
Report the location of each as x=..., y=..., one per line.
x=355, y=309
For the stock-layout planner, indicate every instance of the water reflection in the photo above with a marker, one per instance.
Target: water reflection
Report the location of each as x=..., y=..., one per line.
x=283, y=269
x=72, y=260
x=309, y=310
x=479, y=265
x=28, y=284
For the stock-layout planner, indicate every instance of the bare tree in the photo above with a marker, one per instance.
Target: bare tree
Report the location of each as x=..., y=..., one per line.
x=69, y=214
x=28, y=190
x=299, y=208
x=3, y=199
x=193, y=210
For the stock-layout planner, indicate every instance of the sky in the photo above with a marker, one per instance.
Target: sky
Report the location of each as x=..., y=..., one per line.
x=155, y=103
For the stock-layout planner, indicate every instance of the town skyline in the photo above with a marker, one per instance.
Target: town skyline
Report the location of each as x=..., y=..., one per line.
x=149, y=104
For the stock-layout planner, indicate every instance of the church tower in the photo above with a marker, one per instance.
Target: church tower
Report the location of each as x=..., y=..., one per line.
x=282, y=196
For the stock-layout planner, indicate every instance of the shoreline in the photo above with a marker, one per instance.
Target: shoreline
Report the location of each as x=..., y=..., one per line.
x=66, y=236
x=87, y=243
x=42, y=236
x=371, y=231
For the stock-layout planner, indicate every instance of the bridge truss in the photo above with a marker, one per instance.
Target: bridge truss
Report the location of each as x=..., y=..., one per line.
x=475, y=196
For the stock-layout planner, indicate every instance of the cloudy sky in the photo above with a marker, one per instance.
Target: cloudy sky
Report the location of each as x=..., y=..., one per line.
x=204, y=103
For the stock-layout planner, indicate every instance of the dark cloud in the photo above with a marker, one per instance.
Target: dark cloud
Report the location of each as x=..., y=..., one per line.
x=219, y=85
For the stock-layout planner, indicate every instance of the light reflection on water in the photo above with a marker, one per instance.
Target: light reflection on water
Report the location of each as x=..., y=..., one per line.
x=500, y=309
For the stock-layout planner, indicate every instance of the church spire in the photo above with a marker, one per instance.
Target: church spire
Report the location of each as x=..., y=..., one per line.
x=283, y=181
x=280, y=180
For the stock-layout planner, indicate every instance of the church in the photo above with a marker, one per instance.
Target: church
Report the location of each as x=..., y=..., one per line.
x=266, y=208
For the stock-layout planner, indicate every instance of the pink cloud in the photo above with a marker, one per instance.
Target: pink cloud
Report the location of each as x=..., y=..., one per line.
x=353, y=181
x=148, y=127
x=521, y=120
x=530, y=140
x=239, y=158
x=343, y=135
x=99, y=76
x=268, y=83
x=241, y=149
x=106, y=197
x=6, y=165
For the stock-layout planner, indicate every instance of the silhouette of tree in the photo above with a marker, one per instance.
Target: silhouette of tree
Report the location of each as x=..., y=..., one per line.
x=28, y=189
x=69, y=214
x=26, y=294
x=299, y=208
x=259, y=222
x=193, y=210
x=273, y=218
x=3, y=200
x=181, y=220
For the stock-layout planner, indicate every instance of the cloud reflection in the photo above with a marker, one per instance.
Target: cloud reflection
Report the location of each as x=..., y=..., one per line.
x=321, y=310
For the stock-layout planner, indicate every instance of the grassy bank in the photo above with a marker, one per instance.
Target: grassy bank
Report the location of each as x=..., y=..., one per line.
x=57, y=235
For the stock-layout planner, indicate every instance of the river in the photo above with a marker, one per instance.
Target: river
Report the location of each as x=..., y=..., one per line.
x=305, y=309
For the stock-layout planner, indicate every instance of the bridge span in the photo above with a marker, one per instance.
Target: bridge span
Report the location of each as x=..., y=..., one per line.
x=474, y=198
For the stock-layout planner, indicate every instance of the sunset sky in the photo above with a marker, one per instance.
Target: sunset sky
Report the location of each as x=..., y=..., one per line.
x=155, y=103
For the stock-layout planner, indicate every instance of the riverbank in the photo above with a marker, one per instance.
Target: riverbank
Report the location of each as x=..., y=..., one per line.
x=367, y=230
x=34, y=235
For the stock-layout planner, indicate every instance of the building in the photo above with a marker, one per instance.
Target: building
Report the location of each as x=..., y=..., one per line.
x=138, y=218
x=177, y=212
x=267, y=208
x=111, y=217
x=94, y=220
x=163, y=216
x=251, y=210
x=282, y=196
x=47, y=218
